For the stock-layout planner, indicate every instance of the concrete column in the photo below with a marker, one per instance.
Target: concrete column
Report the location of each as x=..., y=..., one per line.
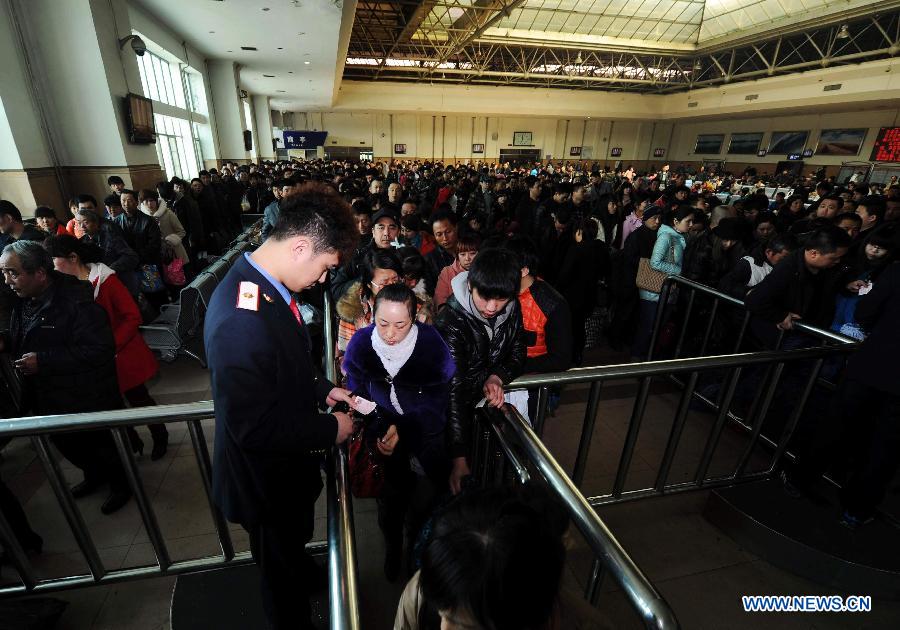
x=62, y=87
x=23, y=141
x=263, y=136
x=227, y=110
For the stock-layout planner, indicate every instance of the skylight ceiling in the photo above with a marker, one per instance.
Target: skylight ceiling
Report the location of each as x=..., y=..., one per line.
x=684, y=24
x=625, y=45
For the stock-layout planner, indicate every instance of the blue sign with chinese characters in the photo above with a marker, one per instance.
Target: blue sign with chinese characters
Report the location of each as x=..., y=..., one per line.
x=304, y=139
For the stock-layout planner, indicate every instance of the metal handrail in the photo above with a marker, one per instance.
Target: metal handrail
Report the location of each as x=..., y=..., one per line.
x=343, y=580
x=342, y=558
x=341, y=545
x=132, y=417
x=117, y=421
x=670, y=366
x=735, y=364
x=641, y=594
x=718, y=296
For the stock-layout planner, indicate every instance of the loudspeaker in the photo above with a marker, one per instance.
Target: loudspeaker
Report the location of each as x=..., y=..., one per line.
x=248, y=140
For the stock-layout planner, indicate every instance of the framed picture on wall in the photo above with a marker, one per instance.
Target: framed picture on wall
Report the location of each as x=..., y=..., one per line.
x=523, y=139
x=477, y=148
x=400, y=149
x=709, y=143
x=744, y=143
x=574, y=151
x=615, y=152
x=659, y=152
x=840, y=141
x=784, y=142
x=761, y=153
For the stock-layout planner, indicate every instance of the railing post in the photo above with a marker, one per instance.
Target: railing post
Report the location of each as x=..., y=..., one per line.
x=743, y=331
x=797, y=414
x=709, y=327
x=758, y=421
x=660, y=314
x=634, y=427
x=543, y=401
x=328, y=335
x=684, y=406
x=587, y=432
x=67, y=503
x=140, y=495
x=713, y=439
x=17, y=554
x=203, y=463
x=685, y=322
x=342, y=561
x=595, y=579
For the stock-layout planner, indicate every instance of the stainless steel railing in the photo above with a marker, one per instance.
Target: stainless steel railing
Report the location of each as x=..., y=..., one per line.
x=342, y=558
x=734, y=364
x=718, y=298
x=340, y=544
x=525, y=451
x=39, y=428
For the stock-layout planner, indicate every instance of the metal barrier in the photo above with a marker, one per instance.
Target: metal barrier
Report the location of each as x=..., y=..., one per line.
x=734, y=364
x=524, y=450
x=340, y=545
x=695, y=288
x=342, y=560
x=38, y=428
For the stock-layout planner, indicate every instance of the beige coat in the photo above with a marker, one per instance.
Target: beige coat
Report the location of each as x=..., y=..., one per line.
x=172, y=232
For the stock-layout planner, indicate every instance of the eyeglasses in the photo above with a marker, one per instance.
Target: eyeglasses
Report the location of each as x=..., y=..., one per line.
x=393, y=280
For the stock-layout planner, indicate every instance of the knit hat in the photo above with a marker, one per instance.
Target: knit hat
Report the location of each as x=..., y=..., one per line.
x=650, y=212
x=728, y=229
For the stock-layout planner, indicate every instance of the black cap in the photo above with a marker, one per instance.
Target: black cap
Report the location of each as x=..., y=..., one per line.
x=44, y=212
x=651, y=211
x=385, y=213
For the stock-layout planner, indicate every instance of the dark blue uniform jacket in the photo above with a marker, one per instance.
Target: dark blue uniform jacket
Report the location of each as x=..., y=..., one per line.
x=266, y=393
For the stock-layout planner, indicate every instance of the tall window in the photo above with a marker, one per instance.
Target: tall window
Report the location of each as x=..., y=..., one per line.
x=176, y=147
x=193, y=90
x=178, y=133
x=158, y=81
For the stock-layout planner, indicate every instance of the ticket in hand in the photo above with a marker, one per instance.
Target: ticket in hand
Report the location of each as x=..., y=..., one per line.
x=363, y=406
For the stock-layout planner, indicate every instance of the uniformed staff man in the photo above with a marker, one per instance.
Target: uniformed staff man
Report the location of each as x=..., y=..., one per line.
x=269, y=430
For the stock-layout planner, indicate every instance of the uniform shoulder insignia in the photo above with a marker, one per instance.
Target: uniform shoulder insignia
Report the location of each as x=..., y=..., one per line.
x=248, y=296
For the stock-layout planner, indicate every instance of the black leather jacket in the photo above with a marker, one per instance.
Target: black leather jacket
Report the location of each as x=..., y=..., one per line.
x=75, y=350
x=142, y=235
x=477, y=356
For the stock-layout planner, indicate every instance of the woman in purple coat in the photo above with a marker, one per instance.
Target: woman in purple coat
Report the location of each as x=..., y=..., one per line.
x=405, y=368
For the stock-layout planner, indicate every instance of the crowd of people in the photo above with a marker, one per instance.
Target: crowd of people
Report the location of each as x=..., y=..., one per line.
x=448, y=281
x=77, y=287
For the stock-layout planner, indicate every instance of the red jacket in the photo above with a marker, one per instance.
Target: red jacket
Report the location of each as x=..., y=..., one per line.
x=135, y=363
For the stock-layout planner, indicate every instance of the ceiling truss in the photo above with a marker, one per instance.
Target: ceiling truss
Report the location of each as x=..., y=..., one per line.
x=442, y=42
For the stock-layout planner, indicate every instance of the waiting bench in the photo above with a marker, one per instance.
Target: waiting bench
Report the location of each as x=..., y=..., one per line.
x=179, y=326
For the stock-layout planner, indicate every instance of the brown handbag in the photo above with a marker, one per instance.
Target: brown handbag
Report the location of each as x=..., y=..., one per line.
x=648, y=278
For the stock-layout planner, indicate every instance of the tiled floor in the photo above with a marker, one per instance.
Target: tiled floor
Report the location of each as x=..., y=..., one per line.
x=699, y=570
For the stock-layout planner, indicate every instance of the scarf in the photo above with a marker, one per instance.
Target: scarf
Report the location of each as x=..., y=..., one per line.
x=98, y=275
x=394, y=357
